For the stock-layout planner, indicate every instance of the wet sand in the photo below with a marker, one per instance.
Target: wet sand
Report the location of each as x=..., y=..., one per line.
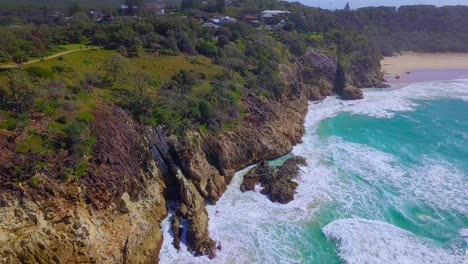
x=412, y=67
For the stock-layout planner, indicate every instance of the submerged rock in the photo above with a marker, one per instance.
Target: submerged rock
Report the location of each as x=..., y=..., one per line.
x=277, y=184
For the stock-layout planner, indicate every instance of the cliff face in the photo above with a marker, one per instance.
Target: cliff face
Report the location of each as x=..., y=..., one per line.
x=203, y=165
x=112, y=214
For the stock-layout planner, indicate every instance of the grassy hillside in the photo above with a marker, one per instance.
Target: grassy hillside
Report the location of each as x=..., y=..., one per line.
x=67, y=90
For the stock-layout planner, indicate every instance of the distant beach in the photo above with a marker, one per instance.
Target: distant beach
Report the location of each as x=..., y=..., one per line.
x=410, y=67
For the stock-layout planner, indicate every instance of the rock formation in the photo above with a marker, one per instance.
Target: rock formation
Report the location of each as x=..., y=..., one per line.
x=277, y=183
x=112, y=215
x=352, y=93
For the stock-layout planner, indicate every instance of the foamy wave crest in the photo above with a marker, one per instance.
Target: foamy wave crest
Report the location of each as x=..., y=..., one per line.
x=383, y=103
x=364, y=241
x=436, y=183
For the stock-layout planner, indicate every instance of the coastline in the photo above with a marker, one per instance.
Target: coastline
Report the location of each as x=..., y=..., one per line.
x=413, y=67
x=229, y=218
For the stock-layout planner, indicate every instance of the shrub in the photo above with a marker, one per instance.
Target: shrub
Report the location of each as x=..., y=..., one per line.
x=21, y=92
x=4, y=56
x=81, y=169
x=123, y=51
x=206, y=110
x=208, y=48
x=40, y=72
x=58, y=68
x=20, y=58
x=35, y=180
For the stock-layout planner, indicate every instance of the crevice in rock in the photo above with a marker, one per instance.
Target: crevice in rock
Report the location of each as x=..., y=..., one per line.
x=185, y=192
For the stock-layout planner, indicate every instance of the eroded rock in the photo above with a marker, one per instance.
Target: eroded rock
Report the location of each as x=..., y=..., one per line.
x=352, y=93
x=277, y=183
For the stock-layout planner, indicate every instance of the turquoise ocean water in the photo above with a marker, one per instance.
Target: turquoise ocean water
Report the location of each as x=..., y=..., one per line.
x=386, y=182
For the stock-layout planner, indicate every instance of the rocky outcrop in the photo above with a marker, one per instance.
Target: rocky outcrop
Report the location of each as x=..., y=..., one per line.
x=277, y=183
x=316, y=71
x=200, y=166
x=110, y=215
x=352, y=93
x=167, y=152
x=366, y=74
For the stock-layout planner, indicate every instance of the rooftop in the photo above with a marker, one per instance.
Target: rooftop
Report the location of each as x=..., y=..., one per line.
x=275, y=12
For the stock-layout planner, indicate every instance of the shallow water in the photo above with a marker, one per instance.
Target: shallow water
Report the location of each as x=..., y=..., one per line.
x=386, y=182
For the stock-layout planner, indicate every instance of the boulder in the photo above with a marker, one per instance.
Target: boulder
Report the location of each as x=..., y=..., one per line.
x=259, y=173
x=277, y=183
x=352, y=93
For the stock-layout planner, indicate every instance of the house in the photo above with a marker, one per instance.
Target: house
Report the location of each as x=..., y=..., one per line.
x=227, y=19
x=157, y=8
x=250, y=18
x=222, y=21
x=273, y=17
x=210, y=25
x=104, y=19
x=125, y=9
x=276, y=13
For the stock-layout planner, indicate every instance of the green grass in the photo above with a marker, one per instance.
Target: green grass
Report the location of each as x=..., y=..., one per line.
x=69, y=47
x=72, y=68
x=160, y=68
x=56, y=50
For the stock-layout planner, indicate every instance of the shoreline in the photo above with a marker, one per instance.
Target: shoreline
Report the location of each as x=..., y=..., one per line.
x=227, y=213
x=412, y=67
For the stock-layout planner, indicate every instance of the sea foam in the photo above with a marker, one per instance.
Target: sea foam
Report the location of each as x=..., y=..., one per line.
x=364, y=241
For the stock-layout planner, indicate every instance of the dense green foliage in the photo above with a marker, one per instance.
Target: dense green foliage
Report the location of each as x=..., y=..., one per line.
x=419, y=28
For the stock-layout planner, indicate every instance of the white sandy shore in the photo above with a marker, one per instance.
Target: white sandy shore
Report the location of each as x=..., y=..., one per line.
x=411, y=67
x=410, y=61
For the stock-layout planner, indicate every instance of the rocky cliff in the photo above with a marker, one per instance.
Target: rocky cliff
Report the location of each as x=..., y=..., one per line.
x=200, y=166
x=112, y=214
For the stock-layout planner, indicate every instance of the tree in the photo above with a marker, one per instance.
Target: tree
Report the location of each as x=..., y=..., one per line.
x=114, y=66
x=347, y=8
x=234, y=60
x=340, y=80
x=141, y=80
x=20, y=91
x=20, y=59
x=208, y=48
x=4, y=56
x=206, y=110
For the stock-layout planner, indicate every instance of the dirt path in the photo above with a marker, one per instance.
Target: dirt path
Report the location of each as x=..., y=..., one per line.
x=12, y=66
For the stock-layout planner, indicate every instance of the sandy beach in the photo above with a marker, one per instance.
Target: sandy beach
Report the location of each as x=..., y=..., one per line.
x=414, y=67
